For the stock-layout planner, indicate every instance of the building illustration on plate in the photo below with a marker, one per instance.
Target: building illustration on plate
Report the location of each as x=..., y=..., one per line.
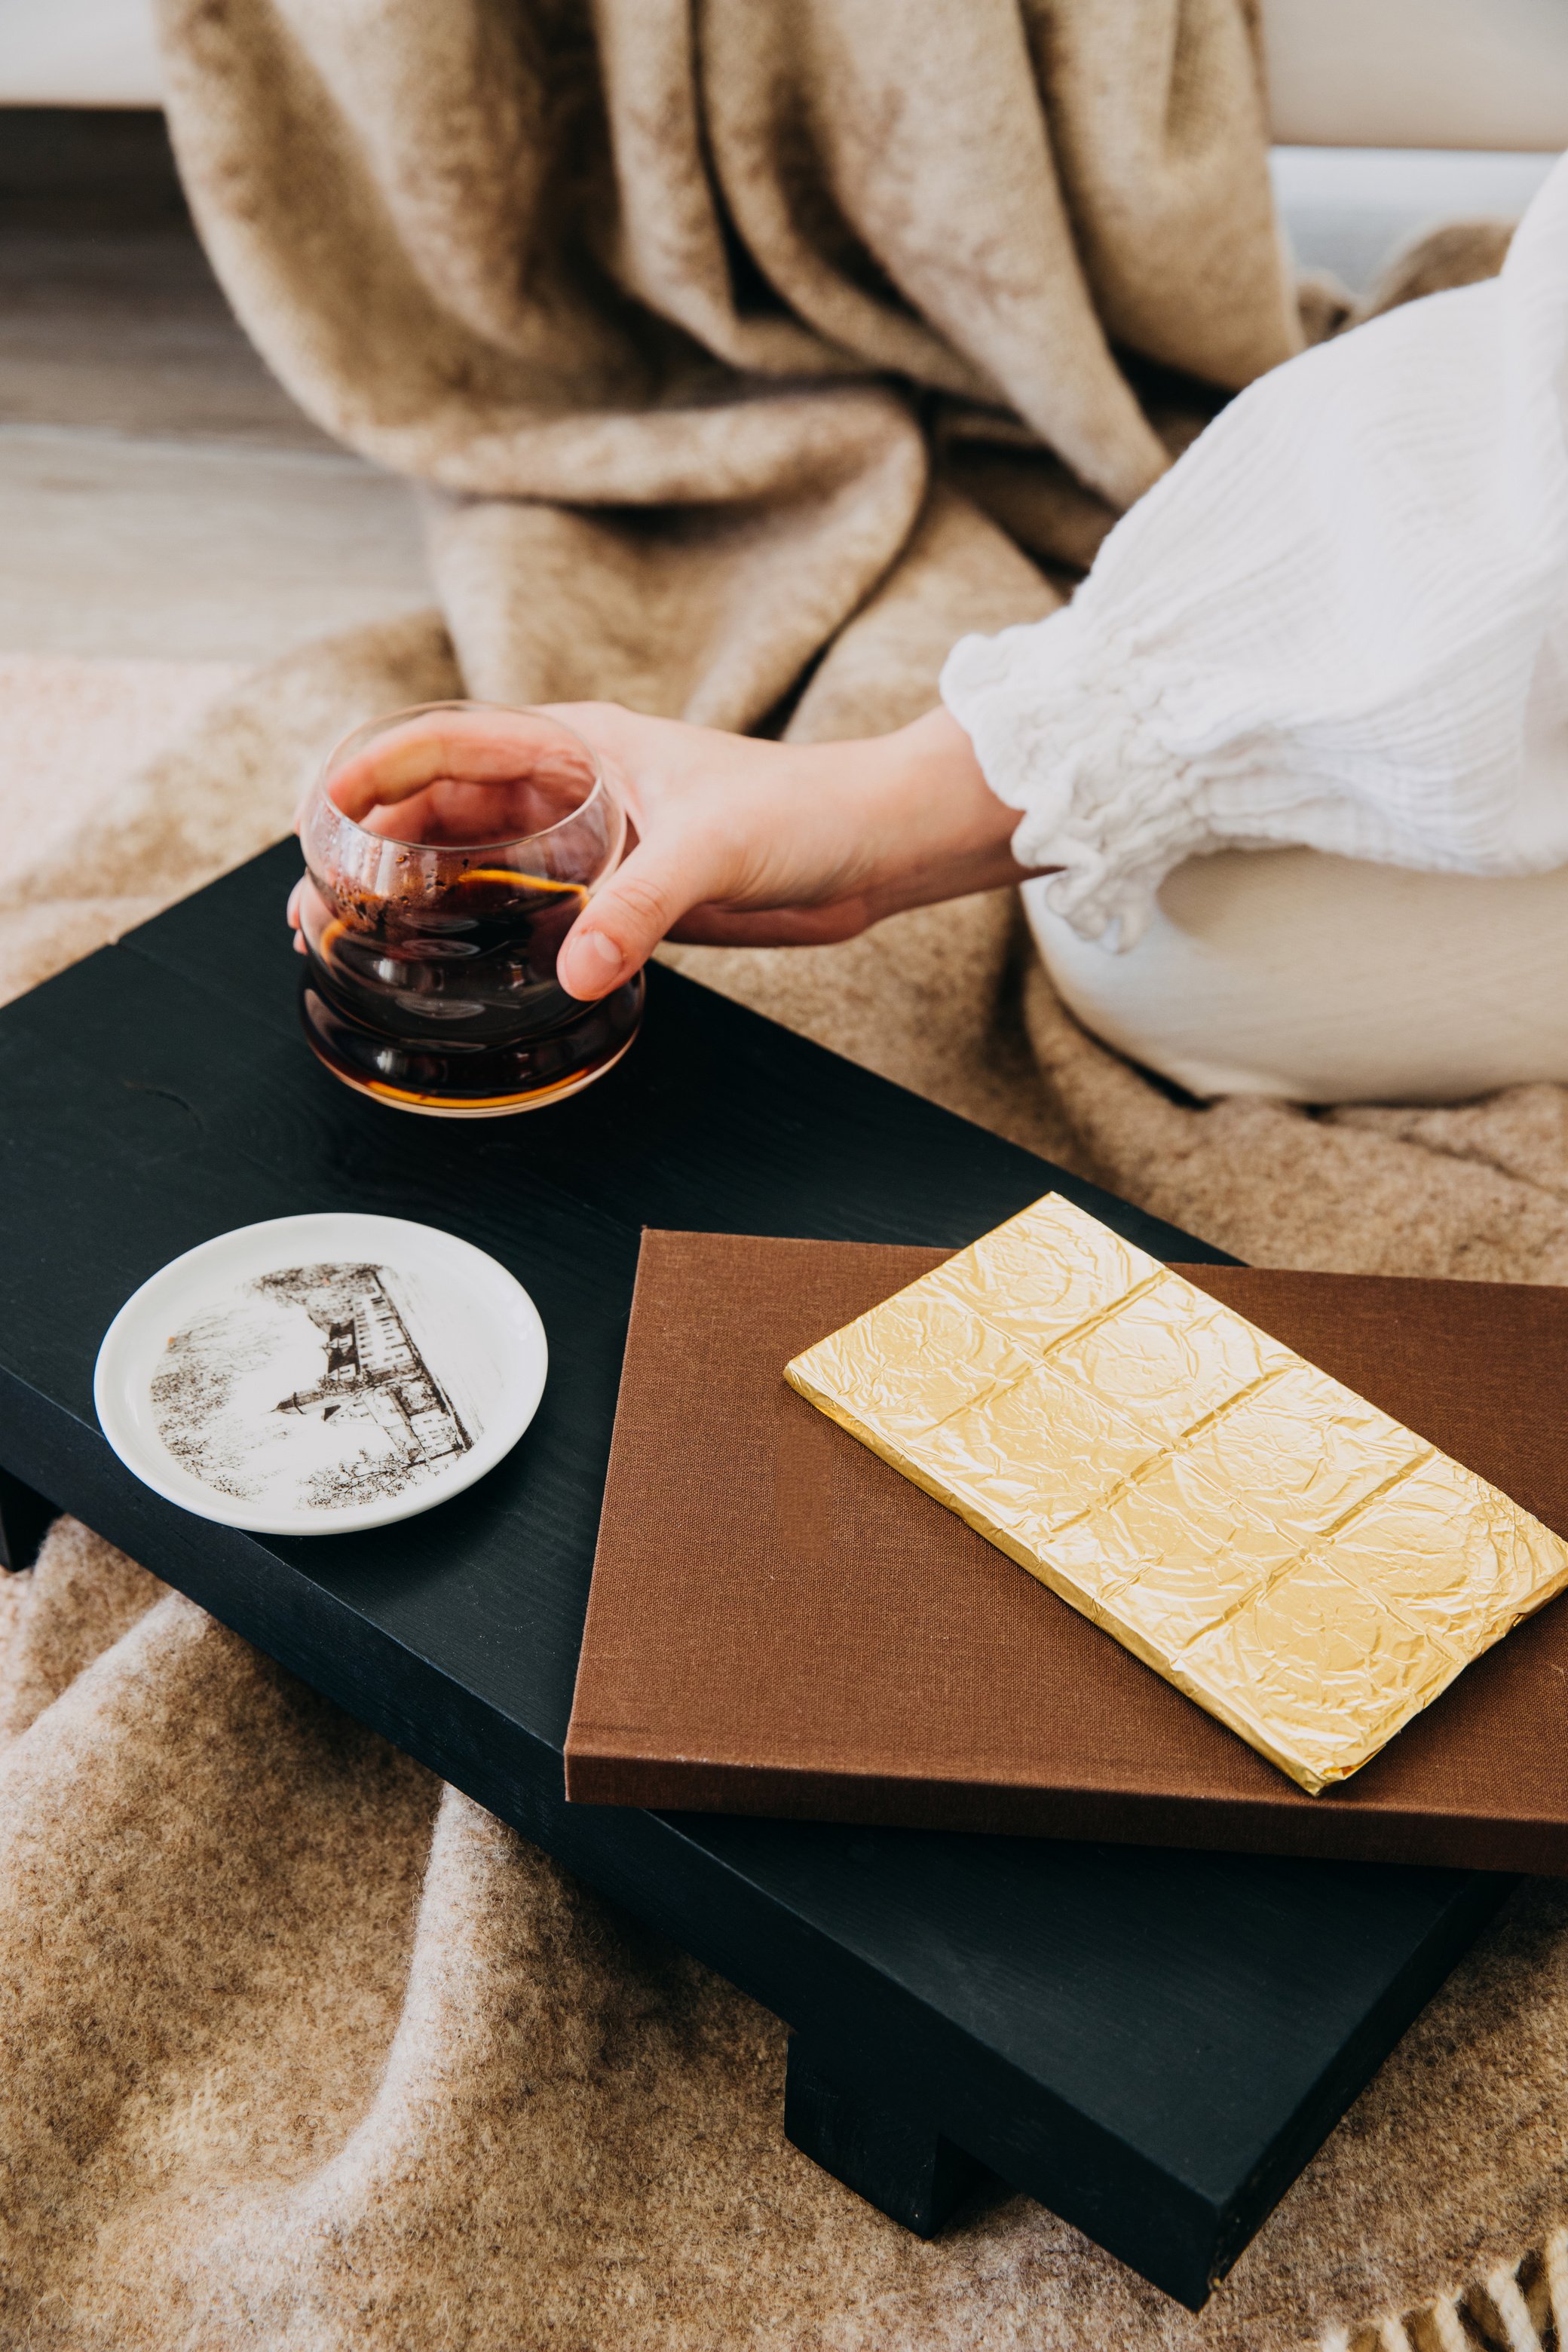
x=374, y=1371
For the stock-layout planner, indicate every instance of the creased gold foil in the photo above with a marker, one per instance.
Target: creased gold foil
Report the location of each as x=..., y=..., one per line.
x=1290, y=1557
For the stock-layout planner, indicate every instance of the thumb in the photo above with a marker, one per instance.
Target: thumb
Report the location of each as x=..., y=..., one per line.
x=621, y=926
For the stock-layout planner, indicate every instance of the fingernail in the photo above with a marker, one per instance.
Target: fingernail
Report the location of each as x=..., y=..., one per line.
x=602, y=948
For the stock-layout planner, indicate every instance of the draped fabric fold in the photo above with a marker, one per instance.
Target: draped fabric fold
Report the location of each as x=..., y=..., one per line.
x=724, y=266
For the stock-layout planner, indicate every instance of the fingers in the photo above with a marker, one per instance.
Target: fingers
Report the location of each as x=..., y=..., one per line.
x=621, y=924
x=474, y=747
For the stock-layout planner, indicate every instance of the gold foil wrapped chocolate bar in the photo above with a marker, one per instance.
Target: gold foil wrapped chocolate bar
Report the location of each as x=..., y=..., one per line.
x=1292, y=1559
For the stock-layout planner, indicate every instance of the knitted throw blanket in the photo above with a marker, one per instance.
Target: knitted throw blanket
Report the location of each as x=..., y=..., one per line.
x=749, y=355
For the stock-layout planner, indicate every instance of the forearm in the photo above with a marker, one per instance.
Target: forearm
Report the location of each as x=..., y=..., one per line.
x=748, y=843
x=742, y=842
x=938, y=829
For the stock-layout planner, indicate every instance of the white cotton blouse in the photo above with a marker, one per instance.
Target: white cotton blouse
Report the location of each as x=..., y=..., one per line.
x=1340, y=620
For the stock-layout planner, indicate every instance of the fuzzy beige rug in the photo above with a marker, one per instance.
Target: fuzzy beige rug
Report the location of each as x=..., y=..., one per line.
x=750, y=354
x=301, y=2053
x=73, y=735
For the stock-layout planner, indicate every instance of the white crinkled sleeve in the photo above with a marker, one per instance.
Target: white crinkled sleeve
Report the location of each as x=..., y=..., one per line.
x=1082, y=733
x=1340, y=620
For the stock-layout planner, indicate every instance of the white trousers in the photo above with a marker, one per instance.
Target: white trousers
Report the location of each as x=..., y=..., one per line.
x=1325, y=980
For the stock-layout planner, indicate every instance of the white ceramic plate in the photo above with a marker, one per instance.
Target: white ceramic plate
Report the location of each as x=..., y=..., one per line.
x=316, y=1374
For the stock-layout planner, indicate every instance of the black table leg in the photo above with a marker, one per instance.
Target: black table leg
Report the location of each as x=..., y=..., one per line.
x=904, y=2167
x=23, y=1516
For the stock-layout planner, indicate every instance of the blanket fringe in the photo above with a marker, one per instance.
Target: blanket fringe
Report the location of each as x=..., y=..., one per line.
x=1520, y=2306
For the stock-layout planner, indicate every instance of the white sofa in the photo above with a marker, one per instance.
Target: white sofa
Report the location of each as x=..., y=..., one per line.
x=1356, y=73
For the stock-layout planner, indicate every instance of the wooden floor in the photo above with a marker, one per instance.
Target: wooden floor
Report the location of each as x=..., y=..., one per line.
x=159, y=495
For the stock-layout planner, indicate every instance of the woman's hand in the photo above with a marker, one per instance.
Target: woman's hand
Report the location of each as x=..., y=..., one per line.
x=742, y=843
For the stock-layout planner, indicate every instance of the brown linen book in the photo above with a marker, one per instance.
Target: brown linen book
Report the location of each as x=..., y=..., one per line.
x=782, y=1625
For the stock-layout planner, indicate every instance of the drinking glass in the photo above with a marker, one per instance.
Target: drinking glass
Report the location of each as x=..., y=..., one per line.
x=449, y=850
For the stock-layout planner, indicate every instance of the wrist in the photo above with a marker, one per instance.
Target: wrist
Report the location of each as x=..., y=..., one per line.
x=939, y=830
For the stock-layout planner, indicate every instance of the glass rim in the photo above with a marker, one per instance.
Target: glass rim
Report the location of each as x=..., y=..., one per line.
x=599, y=788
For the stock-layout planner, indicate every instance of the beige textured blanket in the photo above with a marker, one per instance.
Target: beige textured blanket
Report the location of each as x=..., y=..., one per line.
x=750, y=352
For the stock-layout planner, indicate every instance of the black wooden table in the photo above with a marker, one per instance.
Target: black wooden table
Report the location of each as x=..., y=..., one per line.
x=1152, y=2043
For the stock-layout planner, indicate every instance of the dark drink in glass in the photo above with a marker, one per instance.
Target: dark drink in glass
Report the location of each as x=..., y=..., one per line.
x=448, y=852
